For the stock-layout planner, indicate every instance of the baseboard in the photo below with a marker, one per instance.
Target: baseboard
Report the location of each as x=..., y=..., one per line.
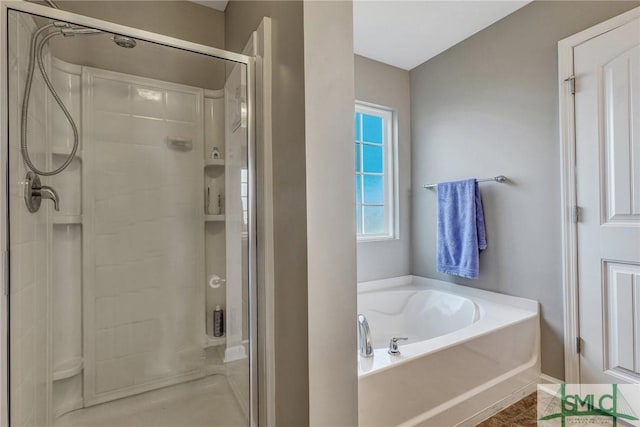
x=509, y=400
x=547, y=379
x=546, y=384
x=499, y=406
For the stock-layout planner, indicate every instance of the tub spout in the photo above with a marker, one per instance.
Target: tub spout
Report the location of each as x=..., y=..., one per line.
x=364, y=337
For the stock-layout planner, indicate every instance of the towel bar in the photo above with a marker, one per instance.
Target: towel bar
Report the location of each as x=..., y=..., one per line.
x=499, y=178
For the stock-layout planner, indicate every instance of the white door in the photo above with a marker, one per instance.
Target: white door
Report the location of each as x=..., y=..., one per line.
x=607, y=109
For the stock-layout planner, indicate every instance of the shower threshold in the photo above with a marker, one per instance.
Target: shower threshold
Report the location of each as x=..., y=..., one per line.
x=206, y=402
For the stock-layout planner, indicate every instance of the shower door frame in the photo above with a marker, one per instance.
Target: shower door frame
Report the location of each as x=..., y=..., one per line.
x=109, y=27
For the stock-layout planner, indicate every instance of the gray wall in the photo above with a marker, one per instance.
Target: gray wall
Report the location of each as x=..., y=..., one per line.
x=196, y=23
x=289, y=200
x=489, y=106
x=331, y=224
x=383, y=84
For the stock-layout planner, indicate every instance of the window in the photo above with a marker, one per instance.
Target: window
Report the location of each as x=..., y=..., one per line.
x=375, y=172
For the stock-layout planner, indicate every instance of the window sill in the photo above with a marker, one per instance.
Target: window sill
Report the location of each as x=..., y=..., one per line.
x=363, y=239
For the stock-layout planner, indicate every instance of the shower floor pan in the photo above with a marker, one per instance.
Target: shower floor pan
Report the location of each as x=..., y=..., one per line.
x=206, y=402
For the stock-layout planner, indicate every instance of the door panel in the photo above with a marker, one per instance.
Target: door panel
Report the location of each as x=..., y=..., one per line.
x=607, y=107
x=621, y=107
x=622, y=296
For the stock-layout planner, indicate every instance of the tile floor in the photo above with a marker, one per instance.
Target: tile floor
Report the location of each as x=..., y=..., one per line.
x=523, y=413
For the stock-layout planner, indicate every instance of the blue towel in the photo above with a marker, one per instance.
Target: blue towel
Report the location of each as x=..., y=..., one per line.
x=461, y=232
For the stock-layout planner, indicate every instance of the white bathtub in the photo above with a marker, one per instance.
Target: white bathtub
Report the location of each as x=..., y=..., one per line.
x=468, y=351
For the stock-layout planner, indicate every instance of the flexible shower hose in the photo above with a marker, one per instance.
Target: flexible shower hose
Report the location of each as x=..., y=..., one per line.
x=35, y=55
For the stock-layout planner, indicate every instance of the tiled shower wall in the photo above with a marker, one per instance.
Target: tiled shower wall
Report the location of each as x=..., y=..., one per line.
x=144, y=219
x=30, y=238
x=66, y=246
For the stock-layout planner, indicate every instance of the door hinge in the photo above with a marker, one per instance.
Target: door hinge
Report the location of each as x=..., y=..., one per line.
x=578, y=345
x=571, y=80
x=576, y=214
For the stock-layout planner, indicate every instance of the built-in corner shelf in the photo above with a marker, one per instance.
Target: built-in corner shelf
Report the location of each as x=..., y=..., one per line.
x=214, y=341
x=67, y=219
x=65, y=151
x=213, y=162
x=214, y=218
x=68, y=369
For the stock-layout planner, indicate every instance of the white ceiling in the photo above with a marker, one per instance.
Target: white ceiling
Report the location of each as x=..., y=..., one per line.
x=220, y=5
x=407, y=33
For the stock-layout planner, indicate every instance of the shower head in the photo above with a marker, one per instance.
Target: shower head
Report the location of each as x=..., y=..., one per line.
x=122, y=41
x=125, y=42
x=69, y=32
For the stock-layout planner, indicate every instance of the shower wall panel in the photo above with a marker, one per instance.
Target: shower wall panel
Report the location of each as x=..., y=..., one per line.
x=144, y=246
x=215, y=231
x=66, y=245
x=30, y=237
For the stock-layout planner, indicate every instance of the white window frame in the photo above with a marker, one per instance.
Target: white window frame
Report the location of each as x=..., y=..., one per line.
x=390, y=171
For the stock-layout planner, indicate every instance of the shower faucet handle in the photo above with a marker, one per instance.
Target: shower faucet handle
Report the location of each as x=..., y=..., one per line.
x=34, y=192
x=47, y=192
x=393, y=345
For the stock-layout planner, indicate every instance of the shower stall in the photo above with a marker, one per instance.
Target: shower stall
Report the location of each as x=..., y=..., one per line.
x=130, y=185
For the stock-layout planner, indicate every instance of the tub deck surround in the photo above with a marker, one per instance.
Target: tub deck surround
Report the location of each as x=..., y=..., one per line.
x=468, y=349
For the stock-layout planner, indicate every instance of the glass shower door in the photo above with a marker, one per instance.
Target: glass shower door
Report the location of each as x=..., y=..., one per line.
x=129, y=304
x=30, y=239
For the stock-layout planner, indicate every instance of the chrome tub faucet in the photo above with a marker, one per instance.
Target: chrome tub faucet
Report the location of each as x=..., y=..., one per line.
x=364, y=337
x=393, y=346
